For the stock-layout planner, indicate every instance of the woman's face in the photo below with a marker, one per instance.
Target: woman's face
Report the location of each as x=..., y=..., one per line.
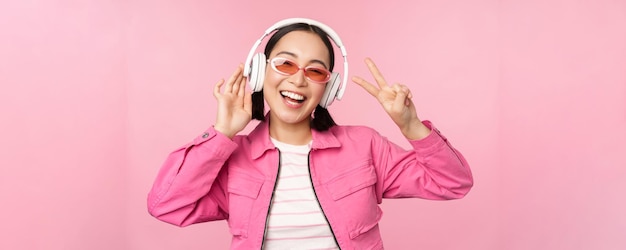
x=292, y=98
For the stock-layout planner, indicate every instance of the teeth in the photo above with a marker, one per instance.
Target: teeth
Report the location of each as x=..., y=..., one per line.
x=292, y=95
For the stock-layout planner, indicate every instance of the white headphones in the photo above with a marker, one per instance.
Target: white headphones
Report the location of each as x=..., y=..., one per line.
x=254, y=67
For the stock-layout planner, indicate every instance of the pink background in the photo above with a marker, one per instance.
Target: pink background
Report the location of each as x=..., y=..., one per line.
x=95, y=94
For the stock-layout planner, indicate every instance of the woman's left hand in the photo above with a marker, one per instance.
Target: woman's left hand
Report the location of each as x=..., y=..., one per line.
x=396, y=100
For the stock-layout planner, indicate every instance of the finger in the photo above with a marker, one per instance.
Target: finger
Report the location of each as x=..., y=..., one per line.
x=401, y=96
x=376, y=73
x=237, y=84
x=242, y=86
x=232, y=79
x=409, y=96
x=216, y=89
x=406, y=92
x=366, y=85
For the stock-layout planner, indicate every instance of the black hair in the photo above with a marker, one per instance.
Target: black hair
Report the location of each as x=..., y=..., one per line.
x=322, y=120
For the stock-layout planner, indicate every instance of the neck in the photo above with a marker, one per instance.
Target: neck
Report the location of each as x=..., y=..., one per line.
x=291, y=133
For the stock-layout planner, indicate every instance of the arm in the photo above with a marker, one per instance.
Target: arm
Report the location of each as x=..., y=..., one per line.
x=434, y=169
x=191, y=185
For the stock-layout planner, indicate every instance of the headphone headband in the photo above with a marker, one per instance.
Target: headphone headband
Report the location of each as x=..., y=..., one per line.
x=331, y=33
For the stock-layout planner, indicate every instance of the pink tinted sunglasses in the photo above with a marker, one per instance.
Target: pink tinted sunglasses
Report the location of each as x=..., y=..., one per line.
x=288, y=67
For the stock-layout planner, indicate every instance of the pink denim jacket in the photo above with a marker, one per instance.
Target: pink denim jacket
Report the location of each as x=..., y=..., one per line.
x=352, y=169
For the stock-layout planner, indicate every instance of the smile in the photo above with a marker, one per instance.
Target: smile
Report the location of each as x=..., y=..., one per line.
x=293, y=96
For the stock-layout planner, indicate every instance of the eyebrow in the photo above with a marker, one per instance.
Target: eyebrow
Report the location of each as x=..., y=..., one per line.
x=294, y=55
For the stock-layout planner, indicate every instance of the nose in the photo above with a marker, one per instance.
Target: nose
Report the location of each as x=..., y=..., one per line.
x=298, y=78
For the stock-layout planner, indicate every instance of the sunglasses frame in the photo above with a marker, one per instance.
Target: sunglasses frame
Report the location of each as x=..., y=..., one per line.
x=272, y=63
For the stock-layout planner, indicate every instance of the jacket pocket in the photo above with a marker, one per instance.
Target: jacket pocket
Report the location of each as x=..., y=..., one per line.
x=352, y=180
x=354, y=190
x=243, y=190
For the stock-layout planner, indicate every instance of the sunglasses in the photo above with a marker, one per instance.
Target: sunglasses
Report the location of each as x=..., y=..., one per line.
x=288, y=67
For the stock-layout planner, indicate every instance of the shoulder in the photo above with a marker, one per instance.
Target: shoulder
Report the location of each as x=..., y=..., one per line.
x=355, y=132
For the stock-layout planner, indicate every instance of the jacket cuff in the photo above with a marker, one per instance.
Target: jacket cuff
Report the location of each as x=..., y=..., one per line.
x=431, y=143
x=212, y=134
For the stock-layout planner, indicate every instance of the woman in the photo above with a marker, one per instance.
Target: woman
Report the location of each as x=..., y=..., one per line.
x=298, y=180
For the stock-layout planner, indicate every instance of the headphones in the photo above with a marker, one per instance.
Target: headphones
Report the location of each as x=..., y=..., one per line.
x=254, y=67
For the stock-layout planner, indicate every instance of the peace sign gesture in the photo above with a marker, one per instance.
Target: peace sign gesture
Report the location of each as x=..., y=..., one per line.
x=396, y=101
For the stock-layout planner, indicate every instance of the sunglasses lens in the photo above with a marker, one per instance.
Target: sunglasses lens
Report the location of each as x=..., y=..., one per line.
x=285, y=66
x=317, y=74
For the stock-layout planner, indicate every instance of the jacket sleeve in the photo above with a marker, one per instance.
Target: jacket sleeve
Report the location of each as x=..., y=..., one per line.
x=191, y=185
x=432, y=170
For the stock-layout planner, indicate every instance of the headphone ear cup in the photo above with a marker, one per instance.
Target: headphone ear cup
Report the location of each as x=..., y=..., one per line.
x=257, y=72
x=330, y=92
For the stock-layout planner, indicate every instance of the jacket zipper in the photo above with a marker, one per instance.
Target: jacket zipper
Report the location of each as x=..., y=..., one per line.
x=271, y=201
x=318, y=202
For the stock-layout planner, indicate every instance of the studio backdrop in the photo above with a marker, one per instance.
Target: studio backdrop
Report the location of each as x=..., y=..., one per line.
x=95, y=94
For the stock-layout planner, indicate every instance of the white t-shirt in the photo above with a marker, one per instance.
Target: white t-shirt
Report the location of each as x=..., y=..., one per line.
x=296, y=220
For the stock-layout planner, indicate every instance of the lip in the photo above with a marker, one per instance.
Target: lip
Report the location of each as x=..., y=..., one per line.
x=291, y=104
x=295, y=92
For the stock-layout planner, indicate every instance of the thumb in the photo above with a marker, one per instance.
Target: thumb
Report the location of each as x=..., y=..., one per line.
x=401, y=96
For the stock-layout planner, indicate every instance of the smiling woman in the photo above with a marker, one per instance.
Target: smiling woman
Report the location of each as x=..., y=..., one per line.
x=257, y=71
x=288, y=183
x=303, y=48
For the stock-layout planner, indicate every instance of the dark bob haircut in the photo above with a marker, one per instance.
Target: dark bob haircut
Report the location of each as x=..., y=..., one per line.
x=322, y=120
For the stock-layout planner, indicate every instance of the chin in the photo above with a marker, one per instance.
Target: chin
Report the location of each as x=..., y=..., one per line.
x=292, y=117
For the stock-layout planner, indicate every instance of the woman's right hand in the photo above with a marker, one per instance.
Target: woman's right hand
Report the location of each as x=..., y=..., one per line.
x=234, y=104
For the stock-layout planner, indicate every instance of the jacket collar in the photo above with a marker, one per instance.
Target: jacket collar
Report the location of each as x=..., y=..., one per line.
x=260, y=141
